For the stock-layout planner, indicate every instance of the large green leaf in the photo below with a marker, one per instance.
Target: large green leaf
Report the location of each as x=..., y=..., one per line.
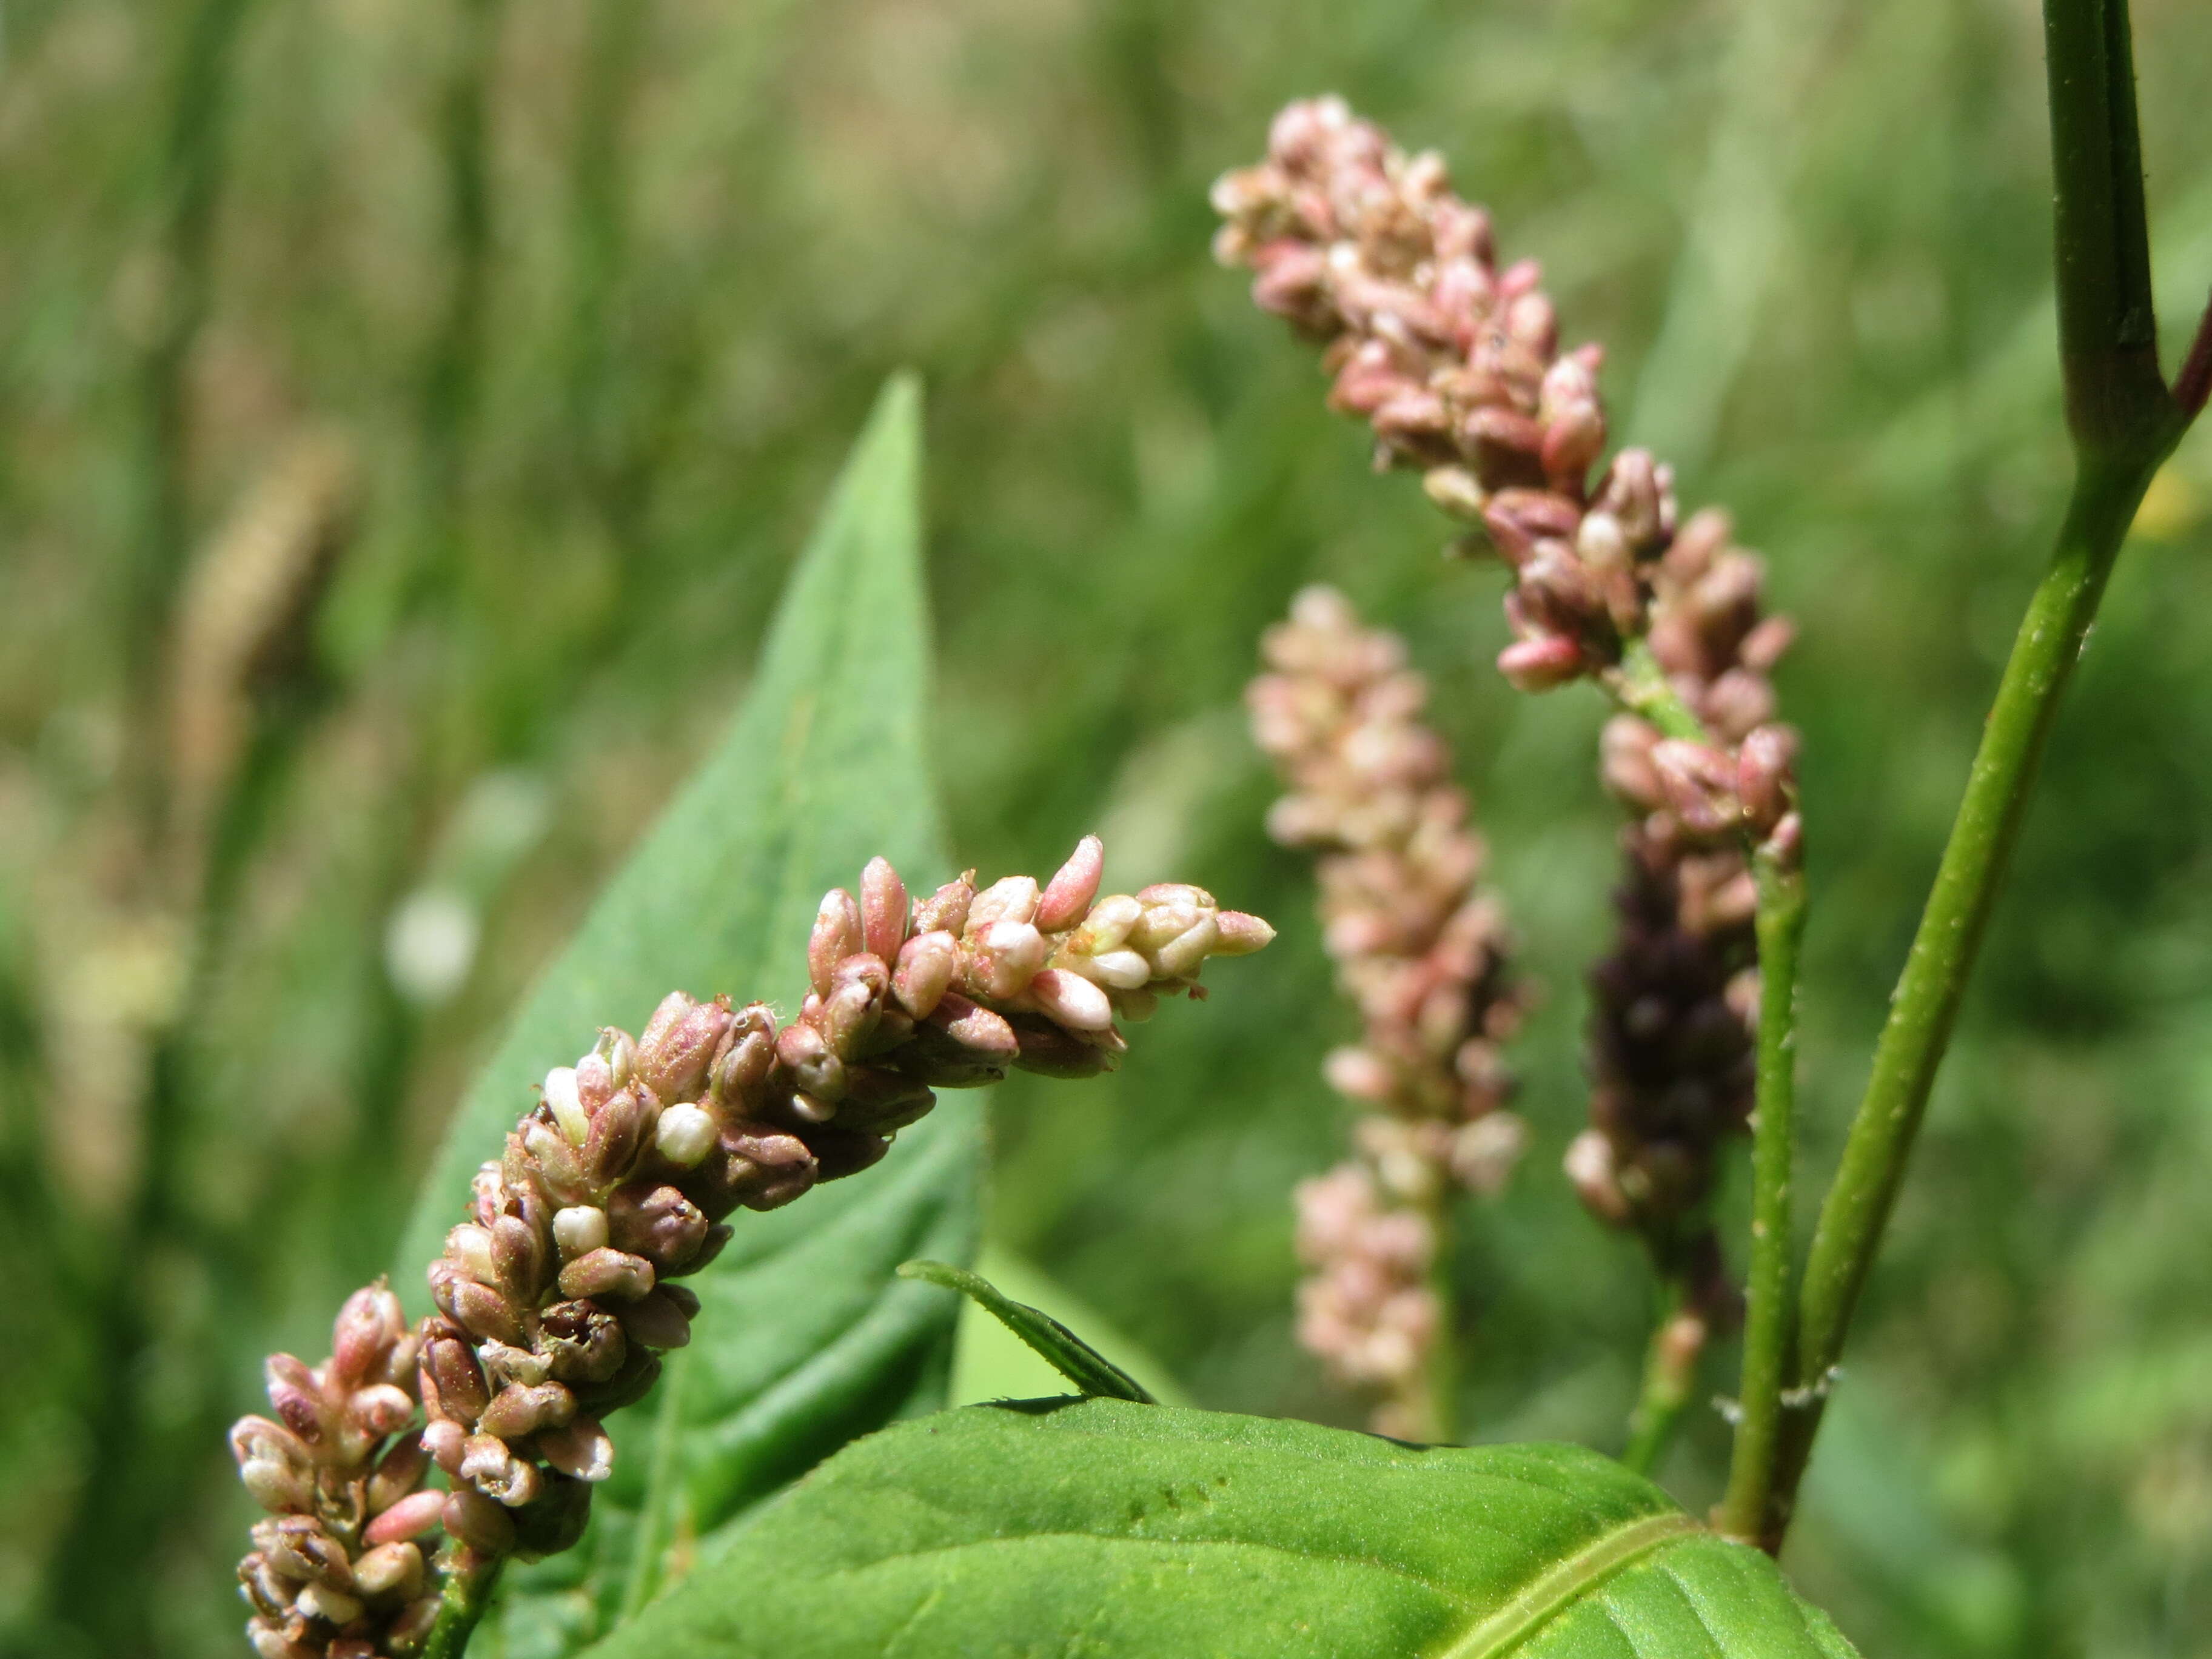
x=806, y=1338
x=1117, y=1531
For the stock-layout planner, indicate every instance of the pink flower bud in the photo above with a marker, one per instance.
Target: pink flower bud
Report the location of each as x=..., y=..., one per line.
x=379, y=1409
x=926, y=964
x=739, y=1075
x=679, y=1044
x=1068, y=895
x=1765, y=774
x=366, y=1326
x=1242, y=934
x=836, y=936
x=410, y=1517
x=974, y=1028
x=947, y=908
x=806, y=1052
x=1543, y=663
x=520, y=1409
x=883, y=909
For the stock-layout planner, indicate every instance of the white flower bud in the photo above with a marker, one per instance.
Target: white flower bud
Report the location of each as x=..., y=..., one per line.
x=580, y=1228
x=685, y=1135
x=567, y=1109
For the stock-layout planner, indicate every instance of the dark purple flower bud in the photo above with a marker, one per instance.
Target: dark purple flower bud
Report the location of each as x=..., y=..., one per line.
x=555, y=1519
x=607, y=1273
x=711, y=1246
x=934, y=1057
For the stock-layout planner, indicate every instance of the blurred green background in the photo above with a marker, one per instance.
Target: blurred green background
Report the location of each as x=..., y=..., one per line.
x=586, y=298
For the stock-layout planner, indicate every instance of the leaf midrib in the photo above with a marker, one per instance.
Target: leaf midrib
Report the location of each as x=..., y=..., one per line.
x=1569, y=1581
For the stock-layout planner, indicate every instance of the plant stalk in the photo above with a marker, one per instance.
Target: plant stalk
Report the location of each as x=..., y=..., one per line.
x=469, y=1583
x=1670, y=1376
x=1770, y=1311
x=2124, y=422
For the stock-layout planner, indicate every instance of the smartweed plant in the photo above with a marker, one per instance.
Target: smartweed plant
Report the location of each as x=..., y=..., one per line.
x=615, y=1251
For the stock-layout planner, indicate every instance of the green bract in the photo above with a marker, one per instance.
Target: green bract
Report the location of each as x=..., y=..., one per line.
x=1117, y=1531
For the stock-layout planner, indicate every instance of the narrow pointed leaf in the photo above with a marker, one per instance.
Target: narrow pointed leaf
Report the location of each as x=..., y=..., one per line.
x=1118, y=1531
x=1067, y=1354
x=806, y=1338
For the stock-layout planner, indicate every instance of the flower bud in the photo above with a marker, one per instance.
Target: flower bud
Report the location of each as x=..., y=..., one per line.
x=392, y=1568
x=444, y=1440
x=379, y=1410
x=836, y=936
x=397, y=1473
x=746, y=1065
x=580, y=1228
x=1591, y=1171
x=582, y=1342
x=1122, y=969
x=280, y=1488
x=476, y=1521
x=579, y=1449
x=976, y=1029
x=331, y=1606
x=619, y=1135
x=410, y=1517
x=806, y=1052
x=1068, y=895
x=366, y=1326
x=520, y=1410
x=489, y=1465
x=1240, y=933
x=607, y=1273
x=1068, y=1000
x=839, y=1151
x=657, y=1321
x=1182, y=956
x=519, y=1251
x=476, y=1308
x=679, y=1043
x=685, y=1135
x=1051, y=1052
x=1541, y=663
x=453, y=1382
x=1008, y=954
x=848, y=1014
x=658, y=1223
x=564, y=1098
x=946, y=909
x=926, y=964
x=881, y=1100
x=883, y=909
x=1765, y=775
x=1014, y=898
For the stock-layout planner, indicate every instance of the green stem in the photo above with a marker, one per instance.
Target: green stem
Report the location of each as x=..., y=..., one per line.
x=1770, y=1315
x=2123, y=424
x=469, y=1582
x=1670, y=1378
x=1640, y=685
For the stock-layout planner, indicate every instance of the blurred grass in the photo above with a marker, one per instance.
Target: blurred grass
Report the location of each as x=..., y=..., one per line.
x=598, y=355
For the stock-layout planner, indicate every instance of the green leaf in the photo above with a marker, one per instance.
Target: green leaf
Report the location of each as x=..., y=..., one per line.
x=990, y=1362
x=1067, y=1352
x=1116, y=1531
x=806, y=1338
